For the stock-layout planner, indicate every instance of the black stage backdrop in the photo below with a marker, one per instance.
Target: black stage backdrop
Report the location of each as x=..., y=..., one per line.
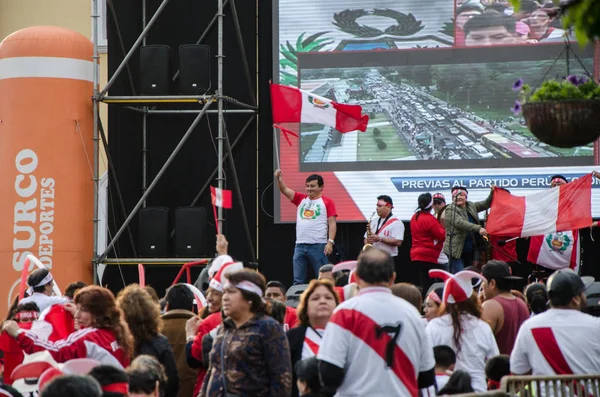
x=182, y=22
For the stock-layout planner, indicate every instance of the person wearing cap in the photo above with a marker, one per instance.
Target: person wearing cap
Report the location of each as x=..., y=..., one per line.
x=250, y=354
x=316, y=225
x=503, y=311
x=387, y=233
x=461, y=327
x=562, y=340
x=439, y=202
x=40, y=283
x=463, y=229
x=374, y=344
x=427, y=240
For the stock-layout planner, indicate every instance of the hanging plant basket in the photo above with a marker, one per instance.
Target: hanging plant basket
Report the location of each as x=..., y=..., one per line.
x=564, y=124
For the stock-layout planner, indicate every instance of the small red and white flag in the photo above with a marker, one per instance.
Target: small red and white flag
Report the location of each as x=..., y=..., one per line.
x=291, y=105
x=220, y=197
x=566, y=207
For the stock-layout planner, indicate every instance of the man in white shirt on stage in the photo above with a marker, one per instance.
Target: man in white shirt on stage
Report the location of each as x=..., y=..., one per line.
x=315, y=225
x=387, y=232
x=40, y=283
x=375, y=343
x=562, y=340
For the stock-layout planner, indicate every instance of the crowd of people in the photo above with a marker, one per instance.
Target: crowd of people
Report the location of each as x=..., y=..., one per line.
x=495, y=22
x=382, y=339
x=358, y=328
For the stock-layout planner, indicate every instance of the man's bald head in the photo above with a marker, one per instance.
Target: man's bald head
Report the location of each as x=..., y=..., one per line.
x=375, y=267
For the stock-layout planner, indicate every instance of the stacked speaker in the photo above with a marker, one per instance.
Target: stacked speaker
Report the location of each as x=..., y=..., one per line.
x=194, y=70
x=154, y=232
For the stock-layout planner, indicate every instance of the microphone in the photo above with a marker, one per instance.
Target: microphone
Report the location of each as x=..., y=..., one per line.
x=502, y=243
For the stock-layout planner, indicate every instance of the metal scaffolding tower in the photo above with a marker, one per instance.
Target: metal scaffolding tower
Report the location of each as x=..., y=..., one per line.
x=140, y=103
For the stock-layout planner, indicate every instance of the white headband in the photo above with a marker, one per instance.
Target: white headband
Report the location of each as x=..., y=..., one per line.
x=246, y=286
x=429, y=205
x=47, y=280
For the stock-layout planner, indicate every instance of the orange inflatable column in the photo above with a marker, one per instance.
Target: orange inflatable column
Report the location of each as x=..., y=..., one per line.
x=46, y=155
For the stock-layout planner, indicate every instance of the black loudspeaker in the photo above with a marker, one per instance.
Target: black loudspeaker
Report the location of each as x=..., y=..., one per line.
x=153, y=232
x=194, y=69
x=190, y=232
x=155, y=75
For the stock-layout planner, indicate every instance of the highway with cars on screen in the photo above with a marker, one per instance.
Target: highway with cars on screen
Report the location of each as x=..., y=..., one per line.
x=435, y=129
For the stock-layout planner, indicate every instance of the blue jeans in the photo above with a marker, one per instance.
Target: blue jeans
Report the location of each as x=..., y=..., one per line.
x=456, y=265
x=305, y=254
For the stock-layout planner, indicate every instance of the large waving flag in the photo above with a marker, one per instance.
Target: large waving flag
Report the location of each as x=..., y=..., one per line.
x=291, y=105
x=567, y=207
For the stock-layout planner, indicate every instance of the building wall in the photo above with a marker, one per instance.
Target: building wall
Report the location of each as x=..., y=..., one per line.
x=70, y=14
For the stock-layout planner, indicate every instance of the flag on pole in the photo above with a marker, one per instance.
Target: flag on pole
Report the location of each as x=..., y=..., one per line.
x=220, y=197
x=291, y=105
x=566, y=207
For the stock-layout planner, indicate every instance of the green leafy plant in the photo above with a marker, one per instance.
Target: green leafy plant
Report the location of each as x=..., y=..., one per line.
x=581, y=15
x=571, y=88
x=448, y=28
x=289, y=62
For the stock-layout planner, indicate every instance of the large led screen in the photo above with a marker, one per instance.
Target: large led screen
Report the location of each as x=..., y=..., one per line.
x=436, y=79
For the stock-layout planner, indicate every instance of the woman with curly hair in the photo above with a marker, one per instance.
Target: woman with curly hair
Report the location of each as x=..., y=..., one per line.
x=142, y=314
x=316, y=305
x=103, y=335
x=460, y=326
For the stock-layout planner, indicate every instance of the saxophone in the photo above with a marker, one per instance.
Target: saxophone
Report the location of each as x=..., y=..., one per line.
x=369, y=232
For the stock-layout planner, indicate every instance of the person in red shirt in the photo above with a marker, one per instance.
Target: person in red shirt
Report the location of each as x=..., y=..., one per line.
x=427, y=240
x=103, y=336
x=276, y=291
x=24, y=314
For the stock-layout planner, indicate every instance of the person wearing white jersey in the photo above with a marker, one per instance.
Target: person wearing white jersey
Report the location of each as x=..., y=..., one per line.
x=461, y=327
x=374, y=344
x=561, y=340
x=387, y=230
x=315, y=225
x=40, y=283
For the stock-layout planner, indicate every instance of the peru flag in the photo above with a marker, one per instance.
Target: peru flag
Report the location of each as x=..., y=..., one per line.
x=559, y=209
x=291, y=105
x=555, y=250
x=220, y=197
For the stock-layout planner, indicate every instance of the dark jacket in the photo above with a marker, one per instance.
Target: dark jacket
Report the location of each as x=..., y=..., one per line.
x=174, y=329
x=256, y=360
x=296, y=340
x=159, y=347
x=458, y=225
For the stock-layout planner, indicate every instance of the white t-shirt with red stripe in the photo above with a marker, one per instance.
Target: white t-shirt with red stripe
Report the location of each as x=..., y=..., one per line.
x=557, y=340
x=357, y=338
x=312, y=341
x=477, y=345
x=311, y=218
x=393, y=228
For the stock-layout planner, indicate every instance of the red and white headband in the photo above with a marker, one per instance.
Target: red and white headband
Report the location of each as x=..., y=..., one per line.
x=384, y=204
x=246, y=286
x=435, y=297
x=456, y=192
x=560, y=181
x=26, y=316
x=46, y=280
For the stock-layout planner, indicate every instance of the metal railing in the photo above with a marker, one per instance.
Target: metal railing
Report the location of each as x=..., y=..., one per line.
x=545, y=386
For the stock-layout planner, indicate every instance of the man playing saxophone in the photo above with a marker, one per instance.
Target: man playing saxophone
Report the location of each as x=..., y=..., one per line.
x=387, y=231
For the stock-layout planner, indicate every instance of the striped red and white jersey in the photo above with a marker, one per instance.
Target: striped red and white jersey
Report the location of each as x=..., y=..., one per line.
x=379, y=341
x=557, y=342
x=98, y=344
x=312, y=342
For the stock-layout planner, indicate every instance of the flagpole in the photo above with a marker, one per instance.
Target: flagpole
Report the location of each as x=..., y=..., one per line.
x=216, y=218
x=276, y=148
